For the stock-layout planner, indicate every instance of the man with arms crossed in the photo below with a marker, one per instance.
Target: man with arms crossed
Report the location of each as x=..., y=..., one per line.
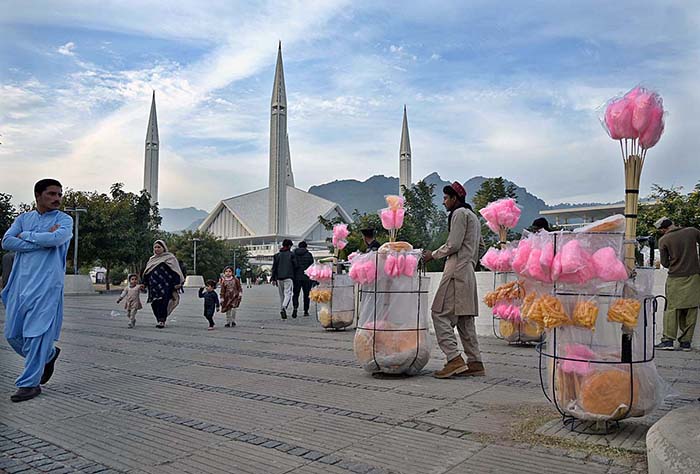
x=33, y=295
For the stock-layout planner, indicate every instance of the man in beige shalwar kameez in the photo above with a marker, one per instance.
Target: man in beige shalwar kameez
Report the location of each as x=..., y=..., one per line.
x=456, y=302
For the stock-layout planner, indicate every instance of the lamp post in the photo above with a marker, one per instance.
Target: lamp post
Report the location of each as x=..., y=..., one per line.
x=195, y=240
x=76, y=211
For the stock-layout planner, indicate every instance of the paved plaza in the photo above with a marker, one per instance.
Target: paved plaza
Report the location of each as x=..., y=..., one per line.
x=272, y=396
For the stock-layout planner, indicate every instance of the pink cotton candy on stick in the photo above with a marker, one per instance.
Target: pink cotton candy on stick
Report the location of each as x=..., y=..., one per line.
x=387, y=218
x=340, y=231
x=503, y=259
x=644, y=102
x=390, y=265
x=400, y=264
x=490, y=259
x=607, y=266
x=653, y=132
x=398, y=217
x=341, y=244
x=618, y=119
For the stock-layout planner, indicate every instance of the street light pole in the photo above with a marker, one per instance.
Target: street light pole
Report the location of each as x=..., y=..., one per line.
x=77, y=211
x=195, y=240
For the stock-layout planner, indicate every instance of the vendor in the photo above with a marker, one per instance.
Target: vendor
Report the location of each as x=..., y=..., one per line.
x=370, y=241
x=539, y=224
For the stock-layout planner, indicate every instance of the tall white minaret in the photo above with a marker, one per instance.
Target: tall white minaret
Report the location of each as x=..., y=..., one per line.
x=150, y=172
x=404, y=156
x=277, y=213
x=290, y=173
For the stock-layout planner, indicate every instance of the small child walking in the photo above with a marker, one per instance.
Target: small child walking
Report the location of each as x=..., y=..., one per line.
x=211, y=301
x=132, y=296
x=231, y=295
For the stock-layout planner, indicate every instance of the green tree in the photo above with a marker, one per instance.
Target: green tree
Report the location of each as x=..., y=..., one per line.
x=8, y=213
x=682, y=209
x=492, y=190
x=213, y=253
x=424, y=220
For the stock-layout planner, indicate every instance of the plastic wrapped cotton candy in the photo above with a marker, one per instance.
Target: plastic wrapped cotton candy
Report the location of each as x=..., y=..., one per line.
x=397, y=265
x=319, y=272
x=573, y=257
x=363, y=269
x=394, y=202
x=392, y=219
x=608, y=266
x=340, y=231
x=582, y=354
x=497, y=260
x=521, y=255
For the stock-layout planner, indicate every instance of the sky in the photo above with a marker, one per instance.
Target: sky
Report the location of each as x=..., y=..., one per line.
x=507, y=88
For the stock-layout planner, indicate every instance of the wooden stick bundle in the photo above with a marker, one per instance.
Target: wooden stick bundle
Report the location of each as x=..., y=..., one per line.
x=633, y=172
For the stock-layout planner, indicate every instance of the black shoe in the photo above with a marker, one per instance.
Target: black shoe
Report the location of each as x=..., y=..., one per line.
x=25, y=393
x=685, y=346
x=306, y=313
x=665, y=346
x=233, y=325
x=48, y=368
x=227, y=325
x=283, y=313
x=294, y=314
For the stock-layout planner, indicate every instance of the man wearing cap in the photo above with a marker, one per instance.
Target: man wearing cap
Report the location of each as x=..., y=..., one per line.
x=370, y=241
x=678, y=248
x=456, y=302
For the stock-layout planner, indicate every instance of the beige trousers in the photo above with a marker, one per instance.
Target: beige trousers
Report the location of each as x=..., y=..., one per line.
x=231, y=315
x=445, y=322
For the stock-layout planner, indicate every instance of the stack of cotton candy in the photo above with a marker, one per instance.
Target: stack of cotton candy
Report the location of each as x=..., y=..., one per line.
x=573, y=264
x=507, y=311
x=363, y=269
x=497, y=260
x=583, y=356
x=392, y=219
x=639, y=114
x=353, y=255
x=503, y=213
x=397, y=265
x=608, y=266
x=319, y=272
x=340, y=233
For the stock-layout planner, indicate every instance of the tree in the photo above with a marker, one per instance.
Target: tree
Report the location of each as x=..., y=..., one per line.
x=682, y=209
x=8, y=213
x=117, y=230
x=424, y=220
x=492, y=190
x=213, y=253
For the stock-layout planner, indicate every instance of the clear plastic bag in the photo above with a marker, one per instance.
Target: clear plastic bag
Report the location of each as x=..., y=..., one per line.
x=339, y=312
x=392, y=333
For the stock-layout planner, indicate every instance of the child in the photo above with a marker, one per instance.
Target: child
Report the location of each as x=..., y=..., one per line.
x=231, y=294
x=132, y=294
x=211, y=301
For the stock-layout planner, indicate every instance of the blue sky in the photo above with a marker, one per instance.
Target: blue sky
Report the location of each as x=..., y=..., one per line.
x=505, y=88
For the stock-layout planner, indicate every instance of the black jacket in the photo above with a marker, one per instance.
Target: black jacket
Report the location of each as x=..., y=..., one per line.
x=374, y=245
x=211, y=301
x=284, y=265
x=304, y=261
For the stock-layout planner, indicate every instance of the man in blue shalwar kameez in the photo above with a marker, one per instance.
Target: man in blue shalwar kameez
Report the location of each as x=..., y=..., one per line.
x=33, y=295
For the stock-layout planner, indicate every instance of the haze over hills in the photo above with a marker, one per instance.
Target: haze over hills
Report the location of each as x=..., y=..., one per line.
x=175, y=220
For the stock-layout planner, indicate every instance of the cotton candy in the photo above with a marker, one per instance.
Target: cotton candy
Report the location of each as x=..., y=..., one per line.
x=607, y=266
x=490, y=259
x=398, y=217
x=581, y=365
x=655, y=128
x=390, y=265
x=573, y=257
x=533, y=266
x=547, y=257
x=521, y=255
x=400, y=264
x=340, y=231
x=394, y=202
x=618, y=119
x=410, y=266
x=501, y=213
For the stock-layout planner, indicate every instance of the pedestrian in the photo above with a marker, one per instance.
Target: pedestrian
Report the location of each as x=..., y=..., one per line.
x=456, y=302
x=231, y=295
x=163, y=279
x=33, y=293
x=302, y=283
x=248, y=278
x=6, y=265
x=370, y=241
x=211, y=302
x=238, y=273
x=678, y=248
x=132, y=299
x=284, y=265
x=539, y=224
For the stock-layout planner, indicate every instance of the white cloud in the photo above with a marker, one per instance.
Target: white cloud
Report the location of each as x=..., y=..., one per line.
x=67, y=49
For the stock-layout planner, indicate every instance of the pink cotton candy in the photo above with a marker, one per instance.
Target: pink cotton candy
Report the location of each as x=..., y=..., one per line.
x=547, y=257
x=398, y=217
x=340, y=231
x=607, y=266
x=573, y=257
x=643, y=104
x=490, y=259
x=341, y=244
x=411, y=265
x=533, y=266
x=618, y=119
x=521, y=255
x=556, y=267
x=581, y=365
x=390, y=265
x=400, y=264
x=388, y=219
x=654, y=130
x=501, y=213
x=353, y=255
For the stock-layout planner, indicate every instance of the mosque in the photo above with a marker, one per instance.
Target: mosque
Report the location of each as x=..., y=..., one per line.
x=261, y=219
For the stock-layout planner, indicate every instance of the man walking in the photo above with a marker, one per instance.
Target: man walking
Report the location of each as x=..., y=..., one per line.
x=370, y=241
x=302, y=283
x=456, y=302
x=284, y=265
x=678, y=248
x=33, y=295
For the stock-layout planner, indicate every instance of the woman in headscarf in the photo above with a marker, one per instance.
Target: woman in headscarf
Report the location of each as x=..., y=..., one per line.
x=163, y=278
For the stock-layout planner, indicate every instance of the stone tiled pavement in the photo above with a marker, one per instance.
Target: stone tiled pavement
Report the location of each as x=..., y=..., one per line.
x=272, y=396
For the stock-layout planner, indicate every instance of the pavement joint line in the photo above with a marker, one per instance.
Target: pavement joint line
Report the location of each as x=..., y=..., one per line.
x=240, y=436
x=384, y=420
x=56, y=456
